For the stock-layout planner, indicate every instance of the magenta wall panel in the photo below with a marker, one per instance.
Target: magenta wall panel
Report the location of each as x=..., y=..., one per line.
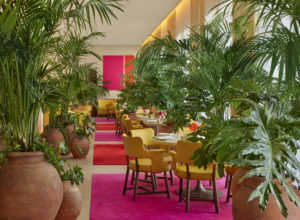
x=113, y=70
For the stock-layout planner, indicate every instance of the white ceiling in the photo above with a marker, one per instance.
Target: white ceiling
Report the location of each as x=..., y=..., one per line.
x=140, y=19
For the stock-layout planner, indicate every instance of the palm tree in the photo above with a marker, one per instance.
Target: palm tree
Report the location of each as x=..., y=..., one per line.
x=277, y=40
x=30, y=32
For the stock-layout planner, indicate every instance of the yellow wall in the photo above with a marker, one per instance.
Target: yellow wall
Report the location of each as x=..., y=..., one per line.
x=188, y=13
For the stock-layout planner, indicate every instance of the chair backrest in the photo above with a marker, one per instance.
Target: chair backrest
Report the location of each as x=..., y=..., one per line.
x=128, y=125
x=134, y=147
x=146, y=134
x=184, y=151
x=123, y=118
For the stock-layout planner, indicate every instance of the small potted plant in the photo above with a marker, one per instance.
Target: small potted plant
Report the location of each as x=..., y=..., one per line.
x=71, y=204
x=80, y=144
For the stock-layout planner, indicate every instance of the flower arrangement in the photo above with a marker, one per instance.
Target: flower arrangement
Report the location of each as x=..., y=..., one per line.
x=160, y=113
x=153, y=110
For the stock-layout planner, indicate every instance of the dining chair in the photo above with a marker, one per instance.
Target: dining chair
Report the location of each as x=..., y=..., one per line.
x=131, y=125
x=146, y=134
x=118, y=121
x=110, y=110
x=184, y=168
x=141, y=160
x=230, y=171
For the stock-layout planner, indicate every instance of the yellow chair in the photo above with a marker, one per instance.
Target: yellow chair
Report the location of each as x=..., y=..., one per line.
x=230, y=171
x=141, y=160
x=183, y=168
x=146, y=134
x=102, y=105
x=110, y=110
x=118, y=122
x=134, y=124
x=131, y=125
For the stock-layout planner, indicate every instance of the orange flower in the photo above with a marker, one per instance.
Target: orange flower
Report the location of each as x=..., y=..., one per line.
x=193, y=127
x=153, y=110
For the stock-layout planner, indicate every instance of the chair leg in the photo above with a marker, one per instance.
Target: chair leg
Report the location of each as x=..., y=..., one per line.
x=171, y=177
x=146, y=175
x=216, y=200
x=136, y=186
x=126, y=180
x=167, y=184
x=229, y=186
x=117, y=127
x=153, y=182
x=226, y=181
x=180, y=189
x=132, y=177
x=188, y=193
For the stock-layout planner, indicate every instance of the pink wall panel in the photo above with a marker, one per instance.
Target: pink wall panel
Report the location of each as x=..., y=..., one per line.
x=113, y=70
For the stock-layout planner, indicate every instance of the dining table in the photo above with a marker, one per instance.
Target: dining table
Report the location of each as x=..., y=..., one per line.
x=148, y=122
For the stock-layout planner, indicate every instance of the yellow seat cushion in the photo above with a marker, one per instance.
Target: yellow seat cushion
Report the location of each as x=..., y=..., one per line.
x=145, y=164
x=195, y=172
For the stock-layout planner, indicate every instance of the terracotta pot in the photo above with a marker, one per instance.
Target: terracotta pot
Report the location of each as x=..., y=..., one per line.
x=53, y=136
x=69, y=131
x=235, y=185
x=240, y=206
x=30, y=188
x=71, y=205
x=84, y=144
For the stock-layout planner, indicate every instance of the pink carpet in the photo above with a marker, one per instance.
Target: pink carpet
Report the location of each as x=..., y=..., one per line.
x=109, y=154
x=107, y=136
x=108, y=203
x=104, y=120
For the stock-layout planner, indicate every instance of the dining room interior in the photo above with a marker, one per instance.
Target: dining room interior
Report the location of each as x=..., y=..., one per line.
x=161, y=109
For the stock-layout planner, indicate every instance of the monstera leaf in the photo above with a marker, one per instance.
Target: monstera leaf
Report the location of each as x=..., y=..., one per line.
x=265, y=140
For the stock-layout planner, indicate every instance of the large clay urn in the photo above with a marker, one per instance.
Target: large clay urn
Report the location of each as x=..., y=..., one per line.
x=69, y=131
x=235, y=184
x=53, y=136
x=71, y=205
x=30, y=188
x=83, y=144
x=241, y=209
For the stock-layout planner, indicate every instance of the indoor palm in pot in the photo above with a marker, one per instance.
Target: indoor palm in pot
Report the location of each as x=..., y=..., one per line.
x=30, y=32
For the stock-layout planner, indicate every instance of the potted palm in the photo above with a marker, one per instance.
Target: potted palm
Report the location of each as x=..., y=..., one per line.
x=28, y=74
x=80, y=144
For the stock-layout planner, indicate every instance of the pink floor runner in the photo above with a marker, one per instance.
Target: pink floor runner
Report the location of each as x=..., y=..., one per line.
x=104, y=120
x=107, y=136
x=108, y=203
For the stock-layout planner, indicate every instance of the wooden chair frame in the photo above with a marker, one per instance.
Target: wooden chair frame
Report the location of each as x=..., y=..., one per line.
x=187, y=197
x=136, y=186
